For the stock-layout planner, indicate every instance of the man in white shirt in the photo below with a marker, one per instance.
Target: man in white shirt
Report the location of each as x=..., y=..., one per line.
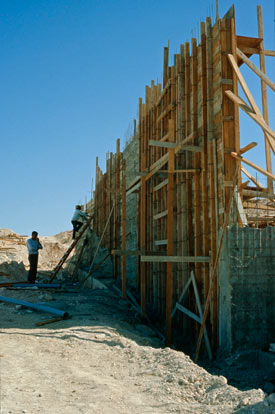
x=33, y=246
x=76, y=219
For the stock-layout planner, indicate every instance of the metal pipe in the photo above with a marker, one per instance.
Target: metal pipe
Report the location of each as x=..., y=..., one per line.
x=35, y=306
x=39, y=285
x=25, y=284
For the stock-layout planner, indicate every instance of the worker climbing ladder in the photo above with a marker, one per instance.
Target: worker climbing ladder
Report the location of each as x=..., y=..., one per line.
x=67, y=253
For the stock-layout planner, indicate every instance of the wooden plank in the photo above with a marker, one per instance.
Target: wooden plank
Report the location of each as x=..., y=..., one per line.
x=240, y=208
x=243, y=84
x=269, y=53
x=160, y=185
x=258, y=194
x=207, y=343
x=244, y=184
x=258, y=72
x=257, y=206
x=126, y=252
x=264, y=96
x=253, y=179
x=72, y=246
x=188, y=313
x=251, y=164
x=169, y=108
x=133, y=189
x=133, y=182
x=160, y=215
x=170, y=232
x=192, y=148
x=261, y=218
x=162, y=144
x=163, y=91
x=215, y=267
x=205, y=171
x=248, y=147
x=259, y=120
x=176, y=259
x=183, y=171
x=123, y=231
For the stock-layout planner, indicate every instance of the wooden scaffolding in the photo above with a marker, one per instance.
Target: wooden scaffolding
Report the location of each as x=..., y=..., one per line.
x=191, y=175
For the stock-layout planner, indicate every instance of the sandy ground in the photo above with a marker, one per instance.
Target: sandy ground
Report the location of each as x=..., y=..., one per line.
x=103, y=360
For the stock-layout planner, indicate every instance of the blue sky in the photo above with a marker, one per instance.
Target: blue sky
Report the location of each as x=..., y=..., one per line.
x=71, y=74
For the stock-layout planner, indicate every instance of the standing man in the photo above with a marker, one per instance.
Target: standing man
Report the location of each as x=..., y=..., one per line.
x=76, y=219
x=33, y=246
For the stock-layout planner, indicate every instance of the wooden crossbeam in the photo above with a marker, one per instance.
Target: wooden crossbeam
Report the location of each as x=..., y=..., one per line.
x=126, y=252
x=192, y=148
x=269, y=53
x=160, y=243
x=253, y=67
x=133, y=189
x=244, y=85
x=261, y=218
x=154, y=143
x=259, y=120
x=176, y=259
x=248, y=147
x=253, y=179
x=244, y=184
x=133, y=182
x=160, y=185
x=191, y=314
x=251, y=164
x=258, y=194
x=257, y=206
x=160, y=215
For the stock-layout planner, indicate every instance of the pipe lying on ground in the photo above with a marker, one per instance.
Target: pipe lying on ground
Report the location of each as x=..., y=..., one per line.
x=39, y=285
x=35, y=306
x=30, y=285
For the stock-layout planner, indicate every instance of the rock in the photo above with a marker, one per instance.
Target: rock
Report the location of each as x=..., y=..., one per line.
x=271, y=398
x=18, y=307
x=98, y=285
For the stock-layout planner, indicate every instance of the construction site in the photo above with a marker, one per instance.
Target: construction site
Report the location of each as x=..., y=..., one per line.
x=177, y=255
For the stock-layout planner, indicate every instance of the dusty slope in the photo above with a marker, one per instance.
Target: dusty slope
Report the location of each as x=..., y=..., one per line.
x=103, y=361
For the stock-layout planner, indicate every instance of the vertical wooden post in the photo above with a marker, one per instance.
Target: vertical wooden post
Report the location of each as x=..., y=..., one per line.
x=142, y=212
x=170, y=225
x=204, y=180
x=123, y=229
x=264, y=96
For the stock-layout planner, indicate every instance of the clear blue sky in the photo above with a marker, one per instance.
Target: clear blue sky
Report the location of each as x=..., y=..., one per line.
x=71, y=74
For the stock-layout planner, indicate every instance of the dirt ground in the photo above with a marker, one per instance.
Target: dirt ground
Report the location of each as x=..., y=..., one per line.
x=103, y=360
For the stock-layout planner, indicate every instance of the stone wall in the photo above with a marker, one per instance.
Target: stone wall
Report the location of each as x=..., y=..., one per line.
x=247, y=288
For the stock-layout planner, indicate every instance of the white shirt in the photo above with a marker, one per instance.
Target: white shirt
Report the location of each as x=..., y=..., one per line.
x=78, y=214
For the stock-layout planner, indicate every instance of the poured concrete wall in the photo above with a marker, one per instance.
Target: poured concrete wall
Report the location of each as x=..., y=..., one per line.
x=247, y=288
x=131, y=155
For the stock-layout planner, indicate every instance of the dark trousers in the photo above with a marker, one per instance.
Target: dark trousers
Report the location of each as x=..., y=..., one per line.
x=33, y=259
x=76, y=225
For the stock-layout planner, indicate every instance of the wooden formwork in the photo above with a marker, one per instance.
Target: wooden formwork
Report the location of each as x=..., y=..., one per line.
x=191, y=170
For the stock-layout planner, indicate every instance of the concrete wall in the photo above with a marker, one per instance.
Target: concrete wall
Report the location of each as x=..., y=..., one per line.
x=247, y=288
x=131, y=155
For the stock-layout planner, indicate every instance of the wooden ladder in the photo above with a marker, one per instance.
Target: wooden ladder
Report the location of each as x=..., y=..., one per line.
x=66, y=255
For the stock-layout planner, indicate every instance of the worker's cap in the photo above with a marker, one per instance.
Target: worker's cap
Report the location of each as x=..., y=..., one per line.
x=78, y=207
